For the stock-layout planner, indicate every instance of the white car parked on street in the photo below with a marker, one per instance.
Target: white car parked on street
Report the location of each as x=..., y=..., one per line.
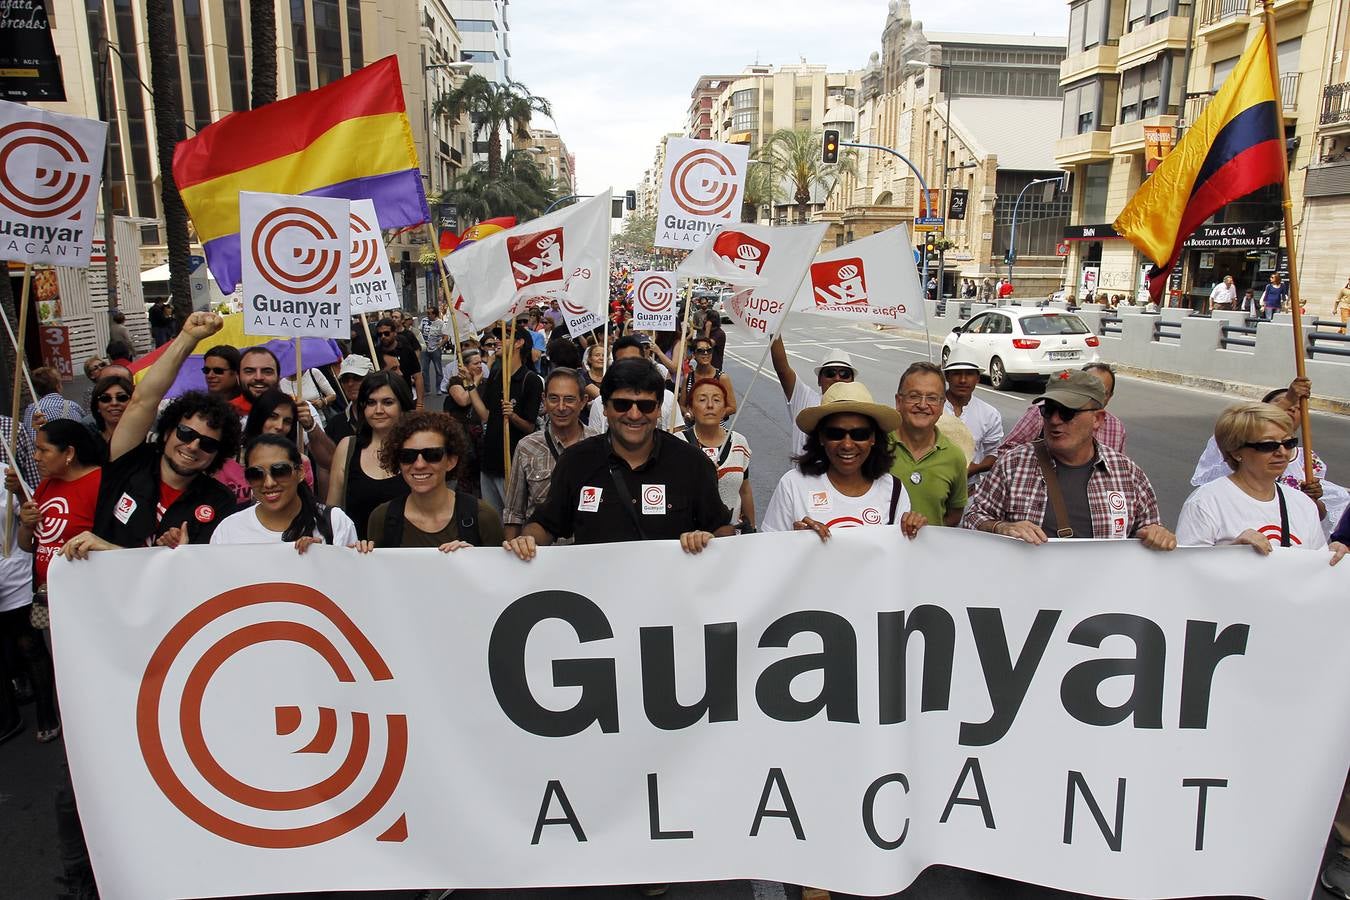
x=1013, y=343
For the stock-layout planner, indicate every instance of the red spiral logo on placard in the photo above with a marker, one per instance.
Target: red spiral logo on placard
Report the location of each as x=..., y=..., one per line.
x=60, y=189
x=365, y=250
x=311, y=269
x=703, y=182
x=175, y=745
x=656, y=295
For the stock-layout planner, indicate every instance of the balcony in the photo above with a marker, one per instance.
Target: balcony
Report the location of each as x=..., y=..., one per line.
x=1129, y=138
x=1219, y=18
x=1091, y=146
x=1097, y=61
x=1335, y=118
x=1289, y=84
x=1168, y=33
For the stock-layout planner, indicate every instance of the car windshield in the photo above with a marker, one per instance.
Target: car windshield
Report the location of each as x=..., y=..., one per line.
x=1052, y=323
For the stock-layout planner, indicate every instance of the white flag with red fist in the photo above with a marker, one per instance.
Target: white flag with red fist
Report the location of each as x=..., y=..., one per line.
x=561, y=255
x=870, y=280
x=767, y=263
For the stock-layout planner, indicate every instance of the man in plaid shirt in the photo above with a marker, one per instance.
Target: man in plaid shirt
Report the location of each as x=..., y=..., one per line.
x=1105, y=494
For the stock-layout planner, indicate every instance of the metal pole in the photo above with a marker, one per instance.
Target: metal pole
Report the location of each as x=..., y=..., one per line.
x=946, y=169
x=560, y=200
x=923, y=187
x=1012, y=238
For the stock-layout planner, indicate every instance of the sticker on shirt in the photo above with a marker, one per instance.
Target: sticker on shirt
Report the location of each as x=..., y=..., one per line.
x=590, y=499
x=1120, y=521
x=125, y=507
x=653, y=499
x=53, y=517
x=868, y=516
x=818, y=500
x=204, y=513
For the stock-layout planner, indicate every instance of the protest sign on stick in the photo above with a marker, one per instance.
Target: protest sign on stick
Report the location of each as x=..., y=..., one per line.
x=296, y=265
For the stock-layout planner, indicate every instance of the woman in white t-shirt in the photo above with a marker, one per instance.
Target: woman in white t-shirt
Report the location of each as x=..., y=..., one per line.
x=285, y=509
x=1252, y=505
x=842, y=477
x=707, y=407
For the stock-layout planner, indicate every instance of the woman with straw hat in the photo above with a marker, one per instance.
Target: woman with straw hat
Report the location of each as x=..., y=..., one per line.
x=842, y=477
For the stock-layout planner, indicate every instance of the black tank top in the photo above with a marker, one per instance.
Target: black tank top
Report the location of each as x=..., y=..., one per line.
x=365, y=493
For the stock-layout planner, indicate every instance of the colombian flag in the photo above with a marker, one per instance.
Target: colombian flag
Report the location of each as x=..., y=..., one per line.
x=1230, y=151
x=349, y=139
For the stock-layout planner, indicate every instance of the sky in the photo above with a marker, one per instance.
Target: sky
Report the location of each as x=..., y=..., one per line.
x=618, y=73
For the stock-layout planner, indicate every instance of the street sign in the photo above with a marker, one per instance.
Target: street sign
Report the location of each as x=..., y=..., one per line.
x=956, y=208
x=1062, y=248
x=928, y=220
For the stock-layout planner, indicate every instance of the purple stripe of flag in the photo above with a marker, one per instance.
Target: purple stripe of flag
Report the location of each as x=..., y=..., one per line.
x=399, y=201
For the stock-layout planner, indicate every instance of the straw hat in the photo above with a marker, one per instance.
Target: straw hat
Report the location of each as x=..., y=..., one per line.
x=848, y=397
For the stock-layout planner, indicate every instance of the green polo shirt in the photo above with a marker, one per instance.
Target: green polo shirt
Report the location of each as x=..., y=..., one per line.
x=935, y=483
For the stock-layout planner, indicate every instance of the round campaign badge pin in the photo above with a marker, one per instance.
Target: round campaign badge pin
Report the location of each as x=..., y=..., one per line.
x=915, y=477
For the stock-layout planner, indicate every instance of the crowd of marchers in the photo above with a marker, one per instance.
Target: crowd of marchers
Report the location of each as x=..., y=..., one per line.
x=544, y=438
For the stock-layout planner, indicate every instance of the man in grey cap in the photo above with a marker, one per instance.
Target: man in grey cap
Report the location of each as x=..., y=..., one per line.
x=1068, y=484
x=835, y=365
x=354, y=368
x=985, y=422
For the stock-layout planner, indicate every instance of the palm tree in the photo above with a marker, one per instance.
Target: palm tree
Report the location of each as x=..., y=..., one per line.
x=759, y=190
x=492, y=106
x=262, y=23
x=167, y=94
x=519, y=189
x=794, y=155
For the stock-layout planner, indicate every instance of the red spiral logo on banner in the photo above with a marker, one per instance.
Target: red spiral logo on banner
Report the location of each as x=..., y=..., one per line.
x=575, y=308
x=703, y=182
x=310, y=269
x=365, y=250
x=59, y=189
x=656, y=295
x=193, y=653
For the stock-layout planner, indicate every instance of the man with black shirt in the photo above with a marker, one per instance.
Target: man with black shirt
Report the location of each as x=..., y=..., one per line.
x=387, y=336
x=527, y=391
x=163, y=493
x=632, y=483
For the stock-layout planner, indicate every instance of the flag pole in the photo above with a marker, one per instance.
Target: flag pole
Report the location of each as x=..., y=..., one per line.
x=449, y=303
x=370, y=343
x=1295, y=307
x=678, y=374
x=19, y=369
x=299, y=395
x=508, y=346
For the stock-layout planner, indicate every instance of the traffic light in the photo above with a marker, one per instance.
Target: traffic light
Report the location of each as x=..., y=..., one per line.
x=829, y=148
x=630, y=200
x=1008, y=258
x=930, y=241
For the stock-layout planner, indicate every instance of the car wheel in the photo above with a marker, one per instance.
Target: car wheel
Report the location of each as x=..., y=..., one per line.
x=946, y=354
x=998, y=376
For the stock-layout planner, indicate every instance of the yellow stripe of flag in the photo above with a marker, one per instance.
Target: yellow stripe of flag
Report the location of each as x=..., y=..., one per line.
x=355, y=148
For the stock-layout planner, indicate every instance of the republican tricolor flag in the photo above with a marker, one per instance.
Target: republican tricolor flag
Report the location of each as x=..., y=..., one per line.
x=1232, y=149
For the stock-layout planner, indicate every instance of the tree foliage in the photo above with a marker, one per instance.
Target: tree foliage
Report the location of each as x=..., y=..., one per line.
x=638, y=234
x=491, y=107
x=518, y=189
x=167, y=93
x=798, y=175
x=262, y=18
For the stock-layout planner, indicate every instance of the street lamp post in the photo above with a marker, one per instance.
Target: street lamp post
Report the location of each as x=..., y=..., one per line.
x=923, y=186
x=1012, y=237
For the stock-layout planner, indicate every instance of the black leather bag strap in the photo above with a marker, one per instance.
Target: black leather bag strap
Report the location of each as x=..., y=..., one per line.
x=1284, y=517
x=896, y=489
x=626, y=498
x=1052, y=489
x=466, y=511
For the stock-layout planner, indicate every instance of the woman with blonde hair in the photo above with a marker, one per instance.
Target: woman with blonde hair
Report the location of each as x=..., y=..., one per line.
x=1252, y=505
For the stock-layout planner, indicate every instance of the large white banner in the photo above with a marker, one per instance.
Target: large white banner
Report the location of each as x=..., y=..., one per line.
x=701, y=187
x=562, y=255
x=1098, y=717
x=869, y=280
x=372, y=280
x=50, y=166
x=296, y=264
x=768, y=263
x=654, y=306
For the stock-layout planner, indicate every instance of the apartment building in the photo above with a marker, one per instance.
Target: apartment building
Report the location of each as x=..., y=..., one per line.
x=701, y=101
x=1137, y=72
x=649, y=190
x=977, y=115
x=554, y=159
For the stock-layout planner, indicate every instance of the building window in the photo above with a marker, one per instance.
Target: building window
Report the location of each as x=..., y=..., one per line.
x=1096, y=181
x=1082, y=104
x=743, y=99
x=94, y=13
x=476, y=25
x=478, y=56
x=196, y=57
x=1141, y=90
x=1040, y=224
x=1087, y=25
x=138, y=138
x=300, y=44
x=234, y=44
x=355, y=48
x=328, y=41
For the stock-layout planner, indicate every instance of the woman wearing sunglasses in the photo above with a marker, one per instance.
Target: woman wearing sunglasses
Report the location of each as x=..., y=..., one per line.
x=1253, y=505
x=108, y=401
x=285, y=508
x=359, y=481
x=842, y=478
x=272, y=413
x=425, y=449
x=701, y=352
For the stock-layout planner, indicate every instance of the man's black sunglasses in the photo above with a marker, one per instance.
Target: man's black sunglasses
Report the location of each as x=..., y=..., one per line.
x=622, y=405
x=216, y=370
x=187, y=435
x=842, y=373
x=1066, y=414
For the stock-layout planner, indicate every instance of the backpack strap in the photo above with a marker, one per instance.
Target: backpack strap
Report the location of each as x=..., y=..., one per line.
x=393, y=522
x=466, y=512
